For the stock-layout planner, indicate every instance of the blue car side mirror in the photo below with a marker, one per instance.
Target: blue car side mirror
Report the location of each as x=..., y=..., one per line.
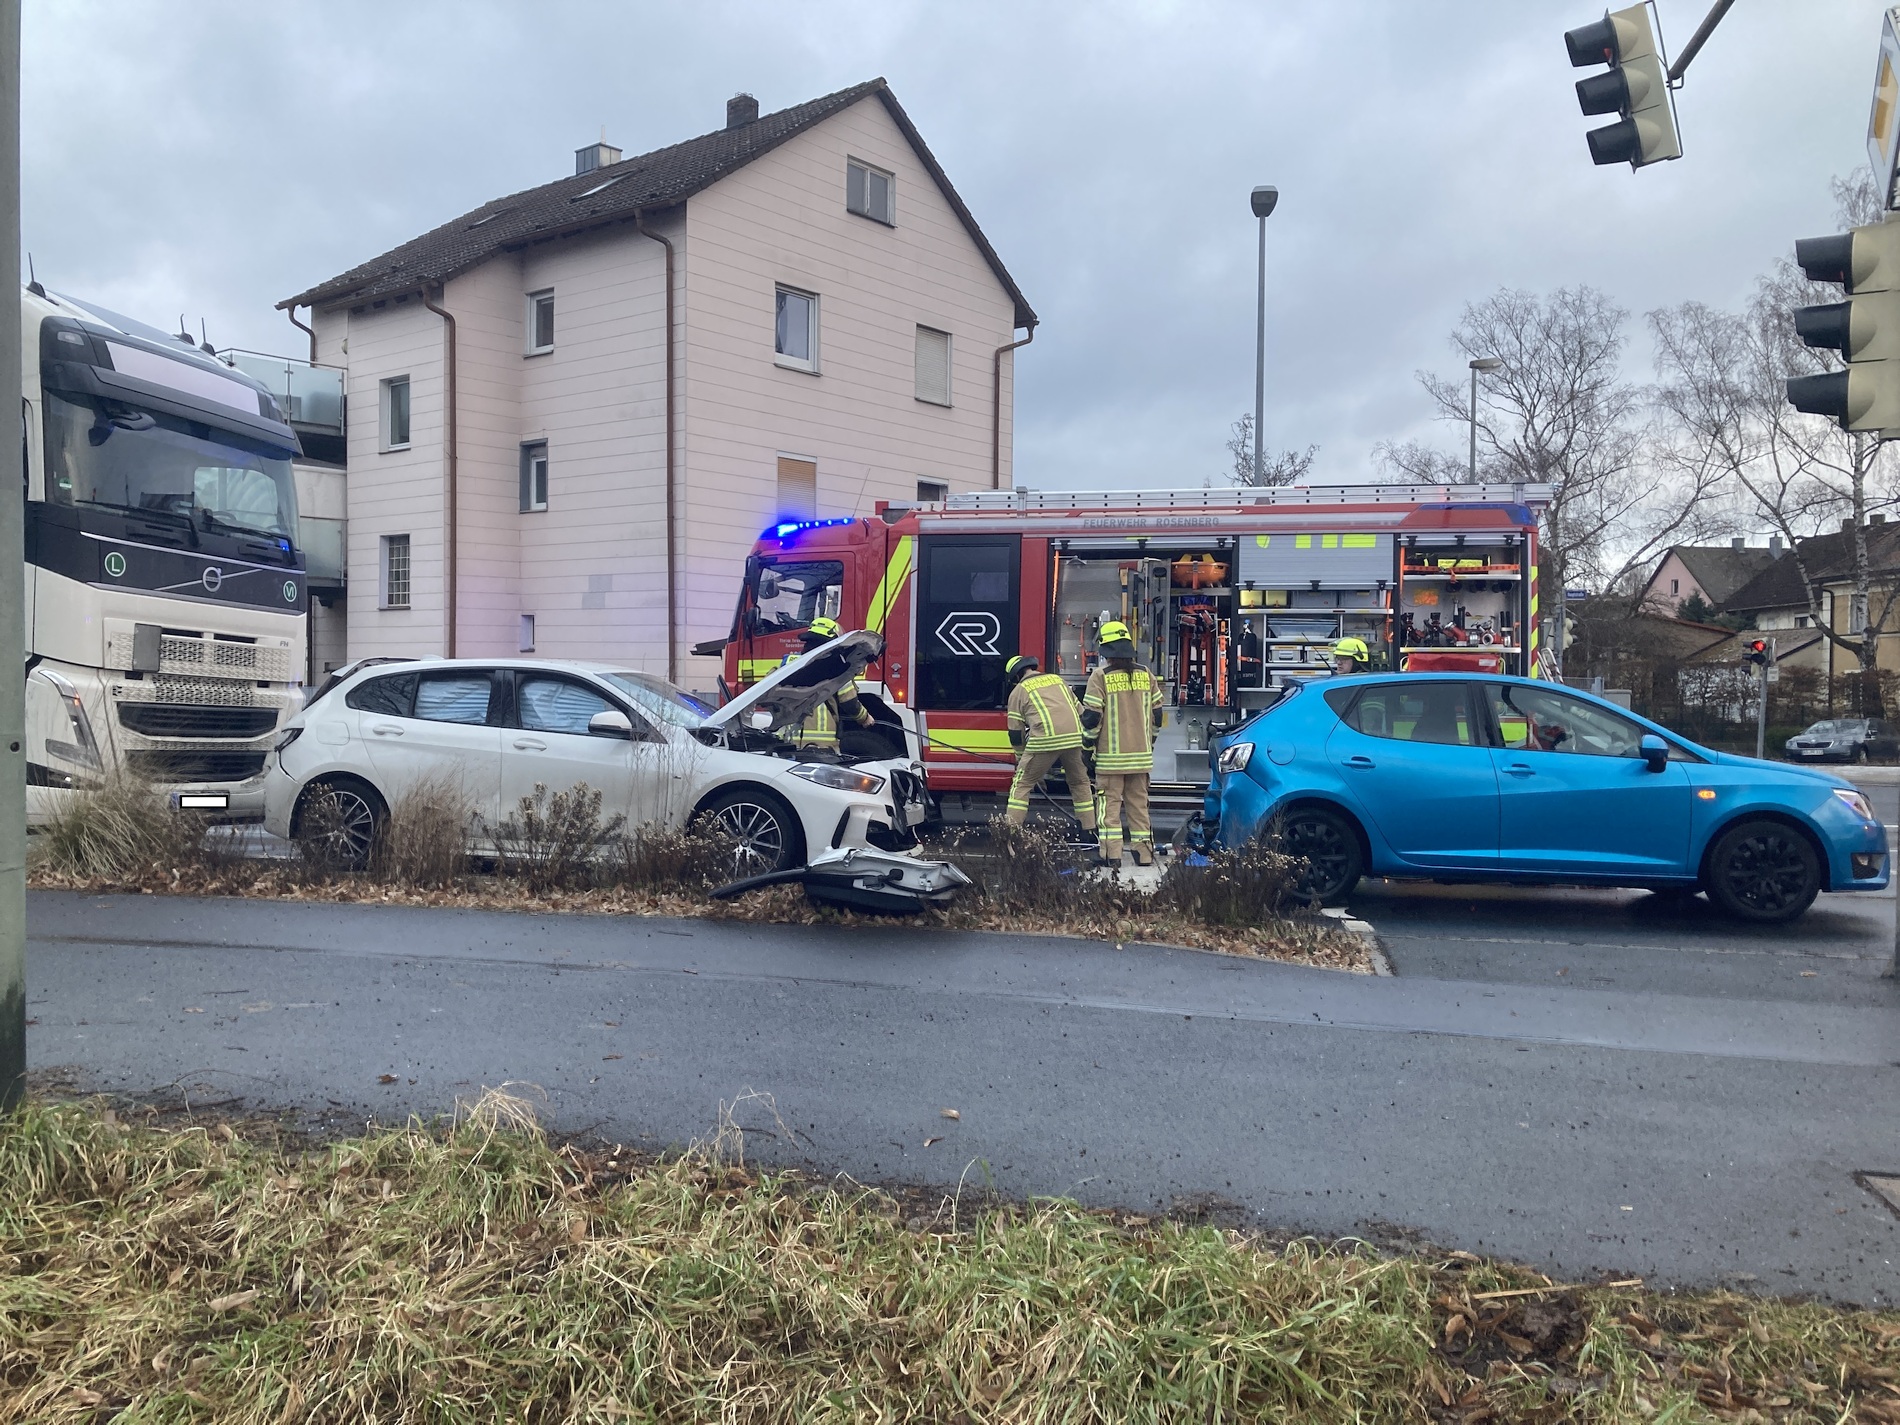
x=1655, y=751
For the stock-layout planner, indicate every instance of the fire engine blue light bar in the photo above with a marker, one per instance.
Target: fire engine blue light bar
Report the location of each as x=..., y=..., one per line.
x=791, y=527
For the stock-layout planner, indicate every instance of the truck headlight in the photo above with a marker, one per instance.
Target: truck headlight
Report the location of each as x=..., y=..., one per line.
x=839, y=779
x=1856, y=802
x=1235, y=757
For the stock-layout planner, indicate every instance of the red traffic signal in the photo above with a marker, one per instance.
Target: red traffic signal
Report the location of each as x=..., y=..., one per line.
x=1756, y=651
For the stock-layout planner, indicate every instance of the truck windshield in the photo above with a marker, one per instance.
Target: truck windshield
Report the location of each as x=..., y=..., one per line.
x=101, y=452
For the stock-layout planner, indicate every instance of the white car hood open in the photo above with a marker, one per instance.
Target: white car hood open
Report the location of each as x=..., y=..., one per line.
x=789, y=693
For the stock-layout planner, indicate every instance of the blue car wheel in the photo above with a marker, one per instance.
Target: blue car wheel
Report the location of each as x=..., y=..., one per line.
x=1764, y=871
x=1329, y=845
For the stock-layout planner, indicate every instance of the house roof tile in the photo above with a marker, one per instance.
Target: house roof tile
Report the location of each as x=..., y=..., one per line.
x=647, y=182
x=1827, y=557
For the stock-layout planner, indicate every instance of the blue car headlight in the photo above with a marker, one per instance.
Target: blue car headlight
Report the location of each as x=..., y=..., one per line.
x=1235, y=757
x=1856, y=802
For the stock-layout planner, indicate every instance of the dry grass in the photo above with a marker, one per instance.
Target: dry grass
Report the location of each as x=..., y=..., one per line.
x=478, y=1273
x=558, y=853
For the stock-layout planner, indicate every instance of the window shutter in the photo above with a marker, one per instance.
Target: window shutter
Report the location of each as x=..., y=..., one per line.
x=797, y=487
x=933, y=366
x=854, y=198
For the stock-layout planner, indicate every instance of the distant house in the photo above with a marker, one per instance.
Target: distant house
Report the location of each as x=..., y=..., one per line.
x=573, y=409
x=1711, y=573
x=1777, y=599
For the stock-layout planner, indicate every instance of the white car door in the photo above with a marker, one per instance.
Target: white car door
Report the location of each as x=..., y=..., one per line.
x=433, y=728
x=549, y=746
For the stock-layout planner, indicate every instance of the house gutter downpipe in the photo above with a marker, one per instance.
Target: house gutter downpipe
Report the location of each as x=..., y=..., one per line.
x=448, y=450
x=311, y=332
x=672, y=545
x=996, y=406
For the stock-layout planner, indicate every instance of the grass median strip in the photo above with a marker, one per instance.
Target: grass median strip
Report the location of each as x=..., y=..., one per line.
x=477, y=1271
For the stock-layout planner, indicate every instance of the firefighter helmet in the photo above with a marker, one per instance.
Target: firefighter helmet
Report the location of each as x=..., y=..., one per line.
x=1352, y=648
x=822, y=629
x=1019, y=667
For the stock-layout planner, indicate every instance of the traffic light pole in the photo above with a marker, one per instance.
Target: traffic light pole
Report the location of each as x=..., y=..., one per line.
x=12, y=615
x=1698, y=39
x=1761, y=709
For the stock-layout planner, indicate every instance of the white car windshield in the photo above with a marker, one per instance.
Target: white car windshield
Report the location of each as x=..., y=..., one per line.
x=660, y=699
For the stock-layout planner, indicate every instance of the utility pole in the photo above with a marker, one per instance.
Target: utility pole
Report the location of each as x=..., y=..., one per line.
x=12, y=611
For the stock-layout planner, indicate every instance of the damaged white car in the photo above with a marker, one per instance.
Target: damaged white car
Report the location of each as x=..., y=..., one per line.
x=496, y=729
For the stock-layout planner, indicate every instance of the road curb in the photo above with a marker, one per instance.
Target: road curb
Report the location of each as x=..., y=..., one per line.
x=1351, y=923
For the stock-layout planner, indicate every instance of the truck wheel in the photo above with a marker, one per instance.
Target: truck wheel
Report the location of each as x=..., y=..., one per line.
x=337, y=822
x=1763, y=871
x=1329, y=845
x=762, y=828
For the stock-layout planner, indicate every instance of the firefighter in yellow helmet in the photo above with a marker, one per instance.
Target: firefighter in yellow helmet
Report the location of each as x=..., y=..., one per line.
x=821, y=724
x=1350, y=655
x=1121, y=709
x=1045, y=728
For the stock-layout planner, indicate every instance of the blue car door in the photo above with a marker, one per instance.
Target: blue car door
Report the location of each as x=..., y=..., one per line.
x=1411, y=754
x=1574, y=792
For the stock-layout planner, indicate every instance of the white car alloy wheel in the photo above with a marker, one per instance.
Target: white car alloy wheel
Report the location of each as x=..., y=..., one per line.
x=761, y=829
x=337, y=823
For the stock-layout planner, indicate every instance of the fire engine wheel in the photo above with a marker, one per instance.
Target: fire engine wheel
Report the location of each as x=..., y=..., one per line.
x=762, y=828
x=337, y=822
x=1329, y=845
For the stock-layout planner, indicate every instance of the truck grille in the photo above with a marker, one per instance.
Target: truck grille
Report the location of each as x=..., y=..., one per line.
x=174, y=720
x=183, y=653
x=197, y=766
x=218, y=692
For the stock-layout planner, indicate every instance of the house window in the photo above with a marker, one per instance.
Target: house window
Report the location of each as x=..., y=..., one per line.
x=933, y=366
x=932, y=492
x=1802, y=621
x=797, y=487
x=527, y=633
x=796, y=337
x=394, y=590
x=540, y=322
x=870, y=192
x=1675, y=586
x=534, y=476
x=395, y=405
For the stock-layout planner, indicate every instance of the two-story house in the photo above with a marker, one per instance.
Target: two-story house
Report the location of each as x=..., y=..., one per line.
x=572, y=410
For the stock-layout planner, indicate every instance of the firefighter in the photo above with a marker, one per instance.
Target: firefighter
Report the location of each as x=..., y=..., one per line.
x=1121, y=710
x=1350, y=655
x=1045, y=728
x=821, y=724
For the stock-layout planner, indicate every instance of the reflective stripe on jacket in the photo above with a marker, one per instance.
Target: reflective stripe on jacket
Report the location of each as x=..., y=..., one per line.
x=820, y=727
x=1043, y=708
x=1126, y=698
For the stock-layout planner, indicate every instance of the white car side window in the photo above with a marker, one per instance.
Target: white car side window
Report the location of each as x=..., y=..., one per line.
x=453, y=697
x=556, y=705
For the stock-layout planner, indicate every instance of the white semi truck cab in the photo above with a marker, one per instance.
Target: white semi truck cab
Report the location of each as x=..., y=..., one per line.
x=166, y=605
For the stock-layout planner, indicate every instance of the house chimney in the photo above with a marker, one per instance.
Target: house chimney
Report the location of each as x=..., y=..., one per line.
x=595, y=155
x=741, y=109
x=1847, y=526
x=1876, y=519
x=1774, y=545
x=1740, y=541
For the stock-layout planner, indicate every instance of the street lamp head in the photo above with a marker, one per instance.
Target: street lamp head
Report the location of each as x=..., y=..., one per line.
x=1264, y=197
x=1487, y=363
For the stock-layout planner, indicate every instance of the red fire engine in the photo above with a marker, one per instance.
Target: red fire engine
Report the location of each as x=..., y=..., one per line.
x=1231, y=594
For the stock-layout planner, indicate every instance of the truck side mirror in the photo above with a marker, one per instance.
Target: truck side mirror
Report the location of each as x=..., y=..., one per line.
x=1655, y=752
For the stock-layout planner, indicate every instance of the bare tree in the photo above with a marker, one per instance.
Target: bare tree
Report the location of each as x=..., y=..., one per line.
x=1722, y=382
x=1559, y=411
x=1286, y=467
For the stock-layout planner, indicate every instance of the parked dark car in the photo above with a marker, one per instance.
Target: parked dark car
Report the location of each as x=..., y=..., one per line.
x=1845, y=739
x=1472, y=778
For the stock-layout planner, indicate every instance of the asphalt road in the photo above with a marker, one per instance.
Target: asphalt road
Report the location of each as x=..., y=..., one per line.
x=1583, y=1081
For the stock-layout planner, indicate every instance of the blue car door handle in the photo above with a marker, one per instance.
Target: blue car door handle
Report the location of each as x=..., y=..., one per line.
x=1519, y=769
x=1359, y=761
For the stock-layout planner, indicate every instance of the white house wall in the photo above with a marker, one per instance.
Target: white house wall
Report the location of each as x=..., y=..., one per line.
x=782, y=219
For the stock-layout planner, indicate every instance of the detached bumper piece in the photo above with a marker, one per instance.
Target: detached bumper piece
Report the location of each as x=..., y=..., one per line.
x=862, y=878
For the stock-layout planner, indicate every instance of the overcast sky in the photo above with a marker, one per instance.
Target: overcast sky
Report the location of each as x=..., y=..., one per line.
x=211, y=157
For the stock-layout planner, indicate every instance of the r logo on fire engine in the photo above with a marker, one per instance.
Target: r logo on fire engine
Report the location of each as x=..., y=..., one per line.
x=970, y=635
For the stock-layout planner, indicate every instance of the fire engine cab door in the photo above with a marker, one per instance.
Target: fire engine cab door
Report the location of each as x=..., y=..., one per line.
x=968, y=600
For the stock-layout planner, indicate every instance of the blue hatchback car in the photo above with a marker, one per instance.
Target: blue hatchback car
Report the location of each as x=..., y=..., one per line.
x=1459, y=777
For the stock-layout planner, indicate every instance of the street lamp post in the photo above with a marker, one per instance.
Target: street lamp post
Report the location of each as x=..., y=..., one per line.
x=1483, y=363
x=1264, y=198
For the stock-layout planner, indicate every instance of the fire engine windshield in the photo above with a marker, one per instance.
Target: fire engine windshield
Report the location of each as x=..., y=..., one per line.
x=790, y=594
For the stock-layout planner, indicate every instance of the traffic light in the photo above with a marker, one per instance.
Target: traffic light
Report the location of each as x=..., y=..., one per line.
x=1635, y=88
x=1865, y=329
x=1757, y=651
